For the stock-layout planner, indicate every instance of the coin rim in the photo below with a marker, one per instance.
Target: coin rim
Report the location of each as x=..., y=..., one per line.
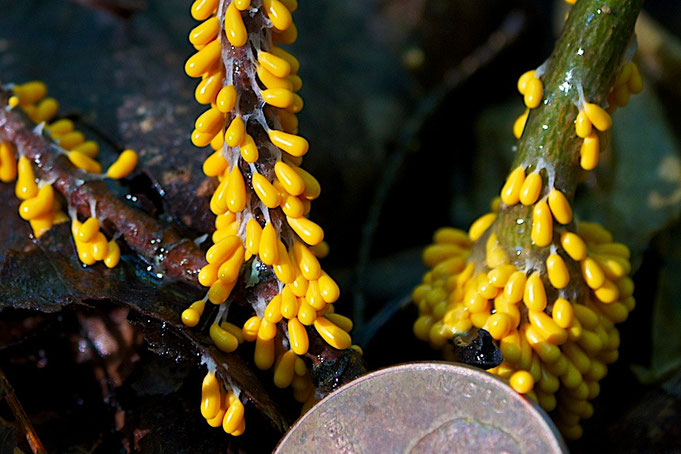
x=462, y=369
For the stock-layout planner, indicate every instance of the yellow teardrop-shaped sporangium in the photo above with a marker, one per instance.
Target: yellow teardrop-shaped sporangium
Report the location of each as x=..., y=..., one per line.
x=236, y=132
x=480, y=226
x=562, y=313
x=234, y=26
x=278, y=97
x=291, y=181
x=264, y=353
x=226, y=99
x=100, y=247
x=290, y=58
x=242, y=5
x=210, y=121
x=558, y=273
x=328, y=288
x=307, y=262
x=278, y=14
x=635, y=83
x=573, y=245
x=533, y=94
x=510, y=193
x=46, y=111
x=547, y=351
x=8, y=162
x=204, y=59
x=267, y=193
x=114, y=255
x=202, y=9
x=592, y=273
x=287, y=36
x=42, y=224
x=251, y=328
x=230, y=269
x=542, y=224
x=283, y=267
x=289, y=303
x=273, y=309
x=547, y=327
x=306, y=313
x=341, y=321
x=210, y=396
x=598, y=116
x=253, y=234
x=560, y=207
x=249, y=150
x=223, y=339
x=298, y=336
x=524, y=79
x=215, y=164
x=290, y=143
x=276, y=65
x=332, y=334
x=84, y=162
x=205, y=32
x=582, y=125
x=515, y=287
x=589, y=152
x=534, y=296
x=88, y=230
x=31, y=92
x=26, y=186
x=122, y=167
x=519, y=124
x=236, y=191
x=39, y=205
x=270, y=81
x=530, y=189
x=192, y=315
x=219, y=291
x=284, y=370
x=498, y=325
x=312, y=187
x=220, y=252
x=308, y=231
x=268, y=249
x=210, y=87
x=234, y=416
x=522, y=382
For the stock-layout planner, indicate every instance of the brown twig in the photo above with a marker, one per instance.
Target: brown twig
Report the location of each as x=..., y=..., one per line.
x=157, y=243
x=7, y=393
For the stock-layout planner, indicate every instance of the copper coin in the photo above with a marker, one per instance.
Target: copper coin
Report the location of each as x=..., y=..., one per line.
x=424, y=407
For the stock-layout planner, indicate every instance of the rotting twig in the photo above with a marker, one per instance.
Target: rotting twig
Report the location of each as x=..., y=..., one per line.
x=7, y=393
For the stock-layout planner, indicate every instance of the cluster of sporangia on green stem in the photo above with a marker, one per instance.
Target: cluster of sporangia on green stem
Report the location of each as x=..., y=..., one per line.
x=250, y=85
x=556, y=335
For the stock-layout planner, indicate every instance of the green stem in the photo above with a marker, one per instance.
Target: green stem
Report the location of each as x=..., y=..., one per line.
x=588, y=54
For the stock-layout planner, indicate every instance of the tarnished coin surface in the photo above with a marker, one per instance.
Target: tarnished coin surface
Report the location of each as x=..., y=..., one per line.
x=424, y=408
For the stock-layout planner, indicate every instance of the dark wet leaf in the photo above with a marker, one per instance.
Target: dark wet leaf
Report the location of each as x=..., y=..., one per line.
x=47, y=277
x=8, y=437
x=665, y=355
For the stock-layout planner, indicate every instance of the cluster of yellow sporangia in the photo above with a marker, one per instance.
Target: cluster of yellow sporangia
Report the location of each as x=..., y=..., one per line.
x=40, y=206
x=591, y=118
x=249, y=83
x=553, y=310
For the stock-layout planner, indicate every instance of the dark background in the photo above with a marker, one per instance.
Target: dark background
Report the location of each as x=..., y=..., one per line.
x=409, y=107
